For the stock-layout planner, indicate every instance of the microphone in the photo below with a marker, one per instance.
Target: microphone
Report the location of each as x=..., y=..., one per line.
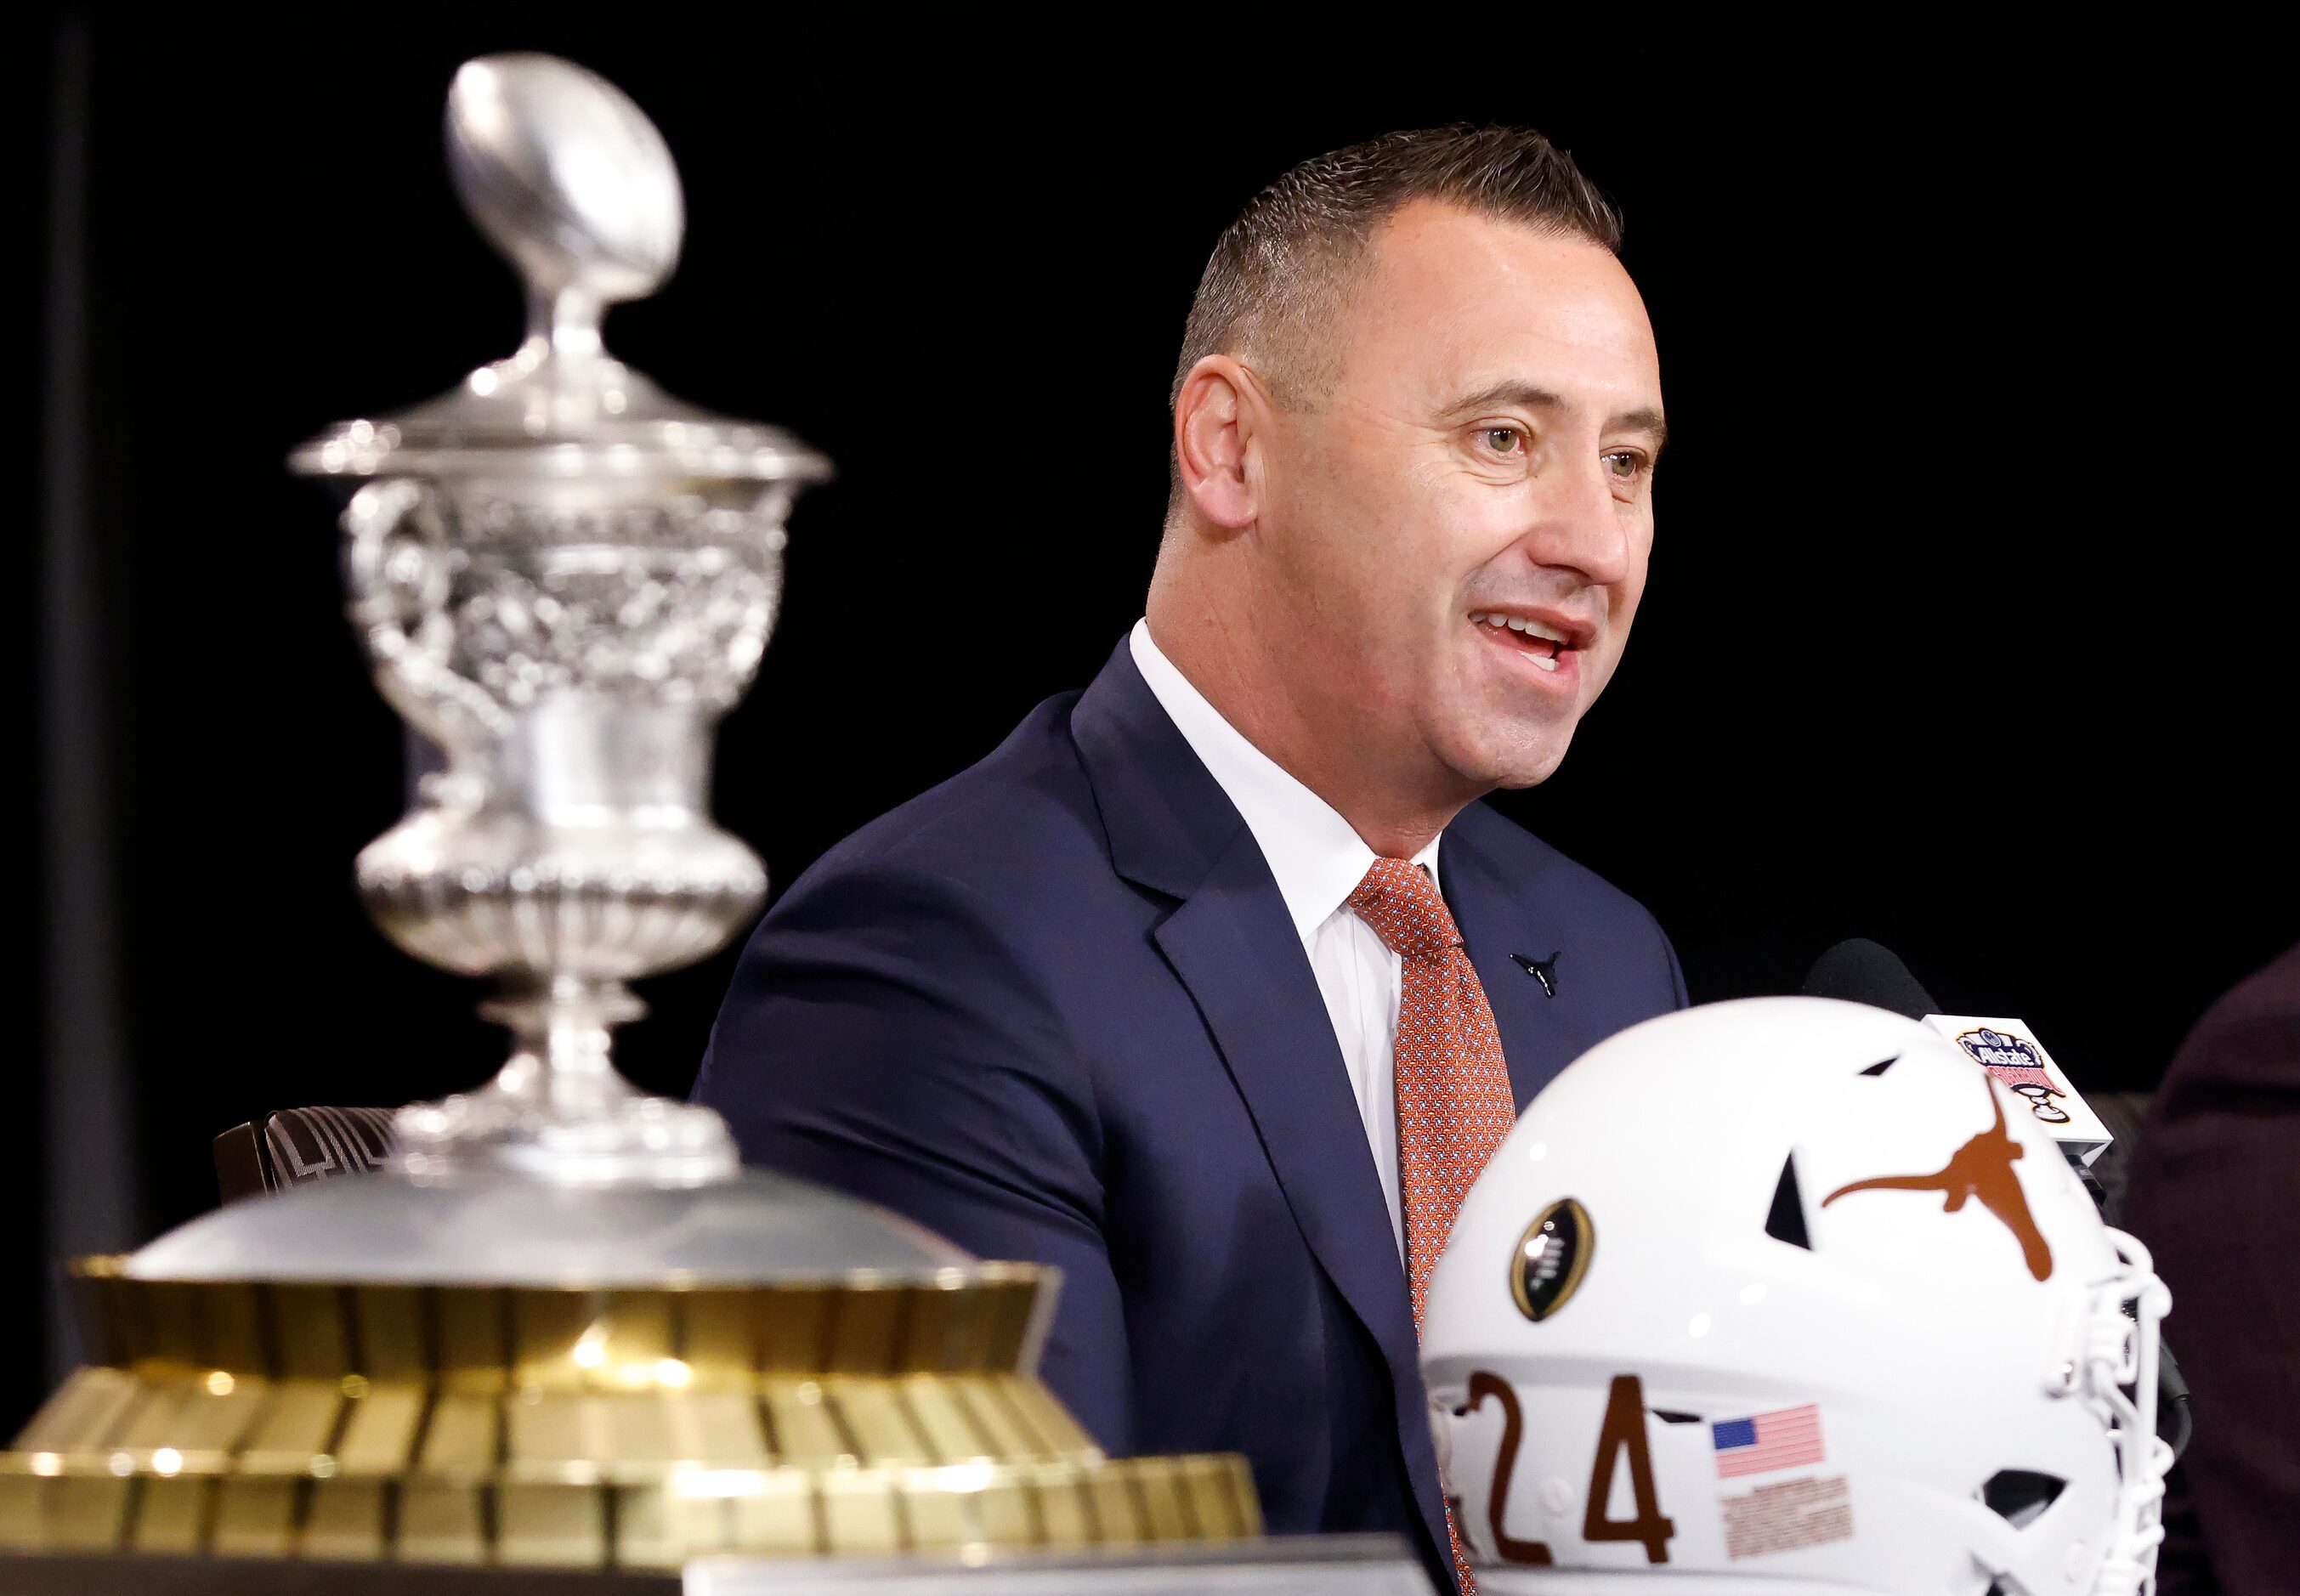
x=1862, y=971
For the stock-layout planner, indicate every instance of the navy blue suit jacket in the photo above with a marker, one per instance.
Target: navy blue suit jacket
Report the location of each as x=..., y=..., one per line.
x=1055, y=1010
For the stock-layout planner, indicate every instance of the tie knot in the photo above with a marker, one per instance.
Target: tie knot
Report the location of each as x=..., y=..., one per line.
x=1400, y=902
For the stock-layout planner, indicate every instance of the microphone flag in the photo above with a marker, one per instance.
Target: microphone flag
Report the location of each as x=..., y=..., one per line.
x=2009, y=1051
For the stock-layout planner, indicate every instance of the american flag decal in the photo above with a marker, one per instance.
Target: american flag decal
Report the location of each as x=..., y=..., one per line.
x=1787, y=1438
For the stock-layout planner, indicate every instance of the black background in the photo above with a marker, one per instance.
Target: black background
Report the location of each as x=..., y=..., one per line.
x=1956, y=636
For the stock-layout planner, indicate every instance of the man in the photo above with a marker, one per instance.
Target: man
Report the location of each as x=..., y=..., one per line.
x=2215, y=1187
x=1123, y=997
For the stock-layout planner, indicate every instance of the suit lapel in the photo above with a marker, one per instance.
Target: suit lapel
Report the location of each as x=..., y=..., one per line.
x=1496, y=922
x=1233, y=946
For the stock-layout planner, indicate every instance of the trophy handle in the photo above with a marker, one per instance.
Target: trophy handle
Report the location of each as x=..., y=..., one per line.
x=396, y=564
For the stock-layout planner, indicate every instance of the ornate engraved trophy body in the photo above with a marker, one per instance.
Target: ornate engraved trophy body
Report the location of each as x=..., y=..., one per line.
x=566, y=1328
x=563, y=577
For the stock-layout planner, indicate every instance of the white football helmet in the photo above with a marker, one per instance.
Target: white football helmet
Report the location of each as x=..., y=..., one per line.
x=1779, y=1296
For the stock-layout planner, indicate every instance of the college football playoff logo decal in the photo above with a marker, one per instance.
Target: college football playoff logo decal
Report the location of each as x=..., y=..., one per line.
x=1551, y=1257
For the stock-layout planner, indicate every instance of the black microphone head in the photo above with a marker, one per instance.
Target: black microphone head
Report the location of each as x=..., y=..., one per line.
x=1861, y=971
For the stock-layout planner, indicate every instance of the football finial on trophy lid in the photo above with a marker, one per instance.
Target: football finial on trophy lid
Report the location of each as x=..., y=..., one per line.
x=570, y=180
x=566, y=176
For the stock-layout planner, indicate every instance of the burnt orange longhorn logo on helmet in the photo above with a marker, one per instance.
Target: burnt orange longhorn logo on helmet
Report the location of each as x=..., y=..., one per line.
x=1982, y=1167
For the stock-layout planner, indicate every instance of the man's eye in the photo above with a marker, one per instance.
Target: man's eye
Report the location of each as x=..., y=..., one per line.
x=1625, y=464
x=1504, y=440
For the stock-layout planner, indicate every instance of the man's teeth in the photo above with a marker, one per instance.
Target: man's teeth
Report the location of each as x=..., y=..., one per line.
x=1532, y=628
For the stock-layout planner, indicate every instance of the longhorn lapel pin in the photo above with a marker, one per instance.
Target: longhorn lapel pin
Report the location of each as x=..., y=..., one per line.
x=1544, y=970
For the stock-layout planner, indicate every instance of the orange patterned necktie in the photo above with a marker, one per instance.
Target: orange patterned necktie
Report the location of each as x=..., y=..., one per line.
x=1453, y=1102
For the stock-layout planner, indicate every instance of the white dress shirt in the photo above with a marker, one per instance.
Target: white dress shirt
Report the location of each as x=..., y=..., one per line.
x=1318, y=861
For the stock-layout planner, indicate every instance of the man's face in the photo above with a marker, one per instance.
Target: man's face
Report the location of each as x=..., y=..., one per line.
x=1483, y=464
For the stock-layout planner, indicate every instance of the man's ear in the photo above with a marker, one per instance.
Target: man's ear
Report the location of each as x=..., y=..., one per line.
x=1217, y=418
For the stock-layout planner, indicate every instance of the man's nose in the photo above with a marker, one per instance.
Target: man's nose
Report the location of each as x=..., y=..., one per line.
x=1582, y=528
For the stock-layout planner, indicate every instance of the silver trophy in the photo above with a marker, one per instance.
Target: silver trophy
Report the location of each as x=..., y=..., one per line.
x=564, y=1327
x=564, y=577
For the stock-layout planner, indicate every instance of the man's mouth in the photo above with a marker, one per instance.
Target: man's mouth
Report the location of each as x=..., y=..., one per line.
x=1539, y=641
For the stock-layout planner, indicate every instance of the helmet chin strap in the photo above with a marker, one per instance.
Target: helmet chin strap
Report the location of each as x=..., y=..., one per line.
x=2121, y=1352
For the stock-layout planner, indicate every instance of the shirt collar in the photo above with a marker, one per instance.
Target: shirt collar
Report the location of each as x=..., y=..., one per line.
x=1316, y=857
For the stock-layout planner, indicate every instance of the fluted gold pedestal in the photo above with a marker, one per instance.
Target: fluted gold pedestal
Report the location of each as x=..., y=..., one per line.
x=578, y=1428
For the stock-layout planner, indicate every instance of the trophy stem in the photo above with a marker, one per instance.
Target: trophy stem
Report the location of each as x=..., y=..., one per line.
x=563, y=323
x=562, y=1028
x=559, y=1110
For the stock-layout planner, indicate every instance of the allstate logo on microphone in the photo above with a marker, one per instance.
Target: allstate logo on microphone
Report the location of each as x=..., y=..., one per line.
x=2004, y=1048
x=2020, y=1064
x=2012, y=1060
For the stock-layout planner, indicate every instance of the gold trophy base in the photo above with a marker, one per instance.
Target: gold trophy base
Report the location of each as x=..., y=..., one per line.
x=629, y=1428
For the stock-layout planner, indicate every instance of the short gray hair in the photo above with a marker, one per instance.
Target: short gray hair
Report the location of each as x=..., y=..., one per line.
x=1281, y=272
